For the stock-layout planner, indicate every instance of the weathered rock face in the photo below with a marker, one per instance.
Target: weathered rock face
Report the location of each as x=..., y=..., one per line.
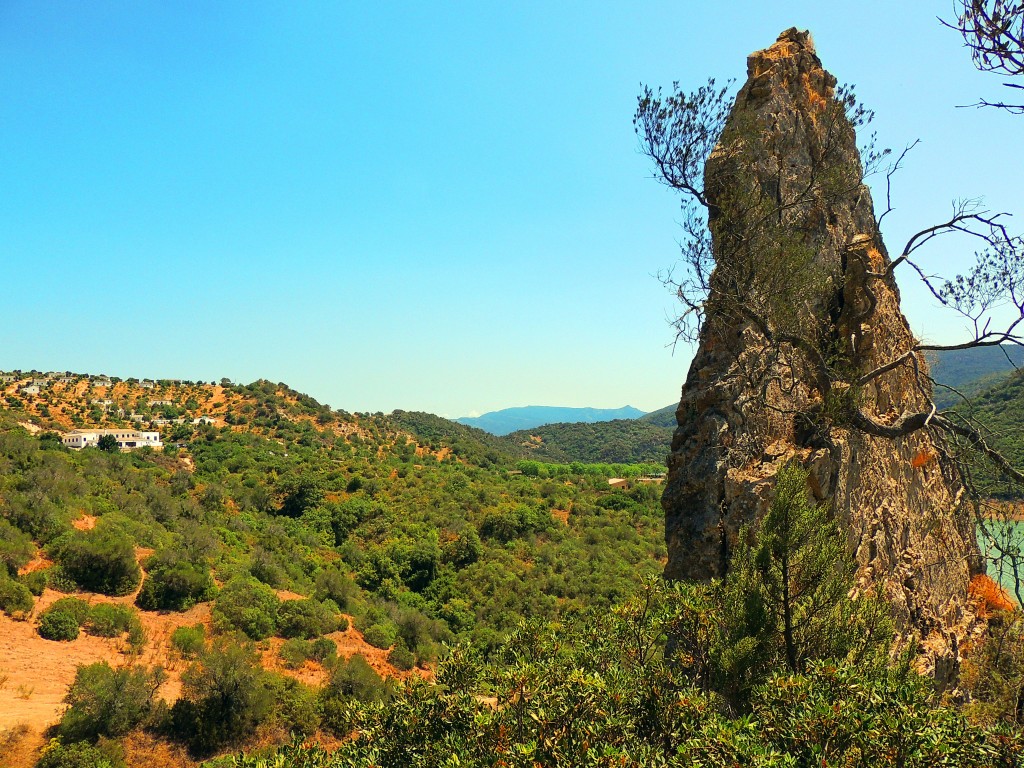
x=787, y=171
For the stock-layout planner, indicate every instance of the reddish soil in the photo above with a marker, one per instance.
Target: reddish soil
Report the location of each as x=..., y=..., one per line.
x=36, y=673
x=85, y=522
x=39, y=671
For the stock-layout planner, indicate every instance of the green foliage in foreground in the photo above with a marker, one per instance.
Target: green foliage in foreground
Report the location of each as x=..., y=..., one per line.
x=777, y=665
x=599, y=691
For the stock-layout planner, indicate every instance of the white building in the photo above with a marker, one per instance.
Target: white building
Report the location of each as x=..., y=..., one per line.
x=31, y=389
x=126, y=438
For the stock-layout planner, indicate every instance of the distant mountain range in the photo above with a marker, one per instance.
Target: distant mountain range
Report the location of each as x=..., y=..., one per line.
x=628, y=435
x=529, y=416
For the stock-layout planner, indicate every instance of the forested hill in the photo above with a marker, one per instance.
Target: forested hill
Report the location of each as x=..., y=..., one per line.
x=476, y=445
x=971, y=371
x=1000, y=409
x=284, y=522
x=663, y=417
x=621, y=440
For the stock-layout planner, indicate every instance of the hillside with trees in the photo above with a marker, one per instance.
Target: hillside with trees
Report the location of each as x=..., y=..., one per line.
x=289, y=524
x=619, y=441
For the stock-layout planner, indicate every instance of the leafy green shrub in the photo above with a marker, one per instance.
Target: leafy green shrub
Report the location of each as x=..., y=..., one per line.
x=101, y=560
x=74, y=606
x=36, y=581
x=295, y=652
x=14, y=596
x=58, y=625
x=43, y=520
x=381, y=635
x=173, y=583
x=225, y=696
x=16, y=548
x=304, y=618
x=401, y=657
x=108, y=620
x=350, y=682
x=249, y=606
x=465, y=549
x=323, y=650
x=189, y=641
x=301, y=493
x=508, y=524
x=296, y=705
x=80, y=754
x=332, y=584
x=103, y=701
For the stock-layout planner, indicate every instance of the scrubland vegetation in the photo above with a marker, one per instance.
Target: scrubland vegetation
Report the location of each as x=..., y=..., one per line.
x=528, y=591
x=294, y=525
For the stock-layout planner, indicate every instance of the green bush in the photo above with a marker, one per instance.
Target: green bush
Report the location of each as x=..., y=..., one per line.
x=174, y=584
x=304, y=618
x=249, y=606
x=103, y=701
x=295, y=652
x=80, y=754
x=14, y=596
x=108, y=620
x=101, y=560
x=189, y=641
x=297, y=705
x=225, y=696
x=58, y=625
x=73, y=605
x=332, y=584
x=16, y=548
x=323, y=650
x=401, y=657
x=381, y=635
x=351, y=682
x=36, y=581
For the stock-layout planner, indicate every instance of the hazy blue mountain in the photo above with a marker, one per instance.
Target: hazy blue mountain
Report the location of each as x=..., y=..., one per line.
x=526, y=417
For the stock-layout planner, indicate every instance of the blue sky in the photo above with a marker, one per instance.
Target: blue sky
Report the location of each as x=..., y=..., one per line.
x=427, y=206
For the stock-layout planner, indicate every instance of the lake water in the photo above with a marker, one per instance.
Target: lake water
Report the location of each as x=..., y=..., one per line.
x=1005, y=537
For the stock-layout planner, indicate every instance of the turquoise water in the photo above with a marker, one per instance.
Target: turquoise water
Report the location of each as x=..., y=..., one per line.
x=1005, y=537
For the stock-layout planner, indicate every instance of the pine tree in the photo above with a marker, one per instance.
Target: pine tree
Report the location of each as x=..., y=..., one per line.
x=787, y=597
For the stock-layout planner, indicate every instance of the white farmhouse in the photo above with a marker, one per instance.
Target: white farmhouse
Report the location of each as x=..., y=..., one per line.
x=126, y=438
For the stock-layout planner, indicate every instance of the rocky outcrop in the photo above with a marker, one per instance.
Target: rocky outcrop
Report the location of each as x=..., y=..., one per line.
x=801, y=285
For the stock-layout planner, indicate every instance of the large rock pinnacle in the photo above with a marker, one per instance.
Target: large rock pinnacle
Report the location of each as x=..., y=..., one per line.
x=797, y=250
